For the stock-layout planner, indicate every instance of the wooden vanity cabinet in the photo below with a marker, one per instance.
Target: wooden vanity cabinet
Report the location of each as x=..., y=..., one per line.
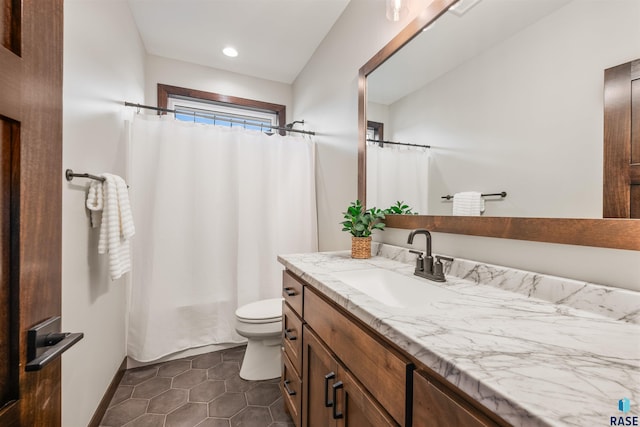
x=334, y=398
x=338, y=372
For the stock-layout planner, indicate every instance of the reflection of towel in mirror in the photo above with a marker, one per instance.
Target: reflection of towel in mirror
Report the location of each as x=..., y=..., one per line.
x=117, y=226
x=468, y=203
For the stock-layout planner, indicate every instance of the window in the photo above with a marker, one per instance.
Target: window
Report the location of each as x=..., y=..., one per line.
x=221, y=114
x=213, y=108
x=375, y=130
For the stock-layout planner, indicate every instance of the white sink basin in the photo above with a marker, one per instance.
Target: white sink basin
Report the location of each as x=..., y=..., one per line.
x=394, y=289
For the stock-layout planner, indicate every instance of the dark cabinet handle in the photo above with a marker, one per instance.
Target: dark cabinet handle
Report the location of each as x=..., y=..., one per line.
x=336, y=415
x=290, y=292
x=289, y=391
x=289, y=335
x=328, y=403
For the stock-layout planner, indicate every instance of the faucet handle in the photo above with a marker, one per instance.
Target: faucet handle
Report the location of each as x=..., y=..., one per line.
x=440, y=258
x=438, y=269
x=419, y=260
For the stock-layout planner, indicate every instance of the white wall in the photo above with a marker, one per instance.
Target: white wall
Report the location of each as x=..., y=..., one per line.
x=525, y=116
x=103, y=66
x=325, y=95
x=193, y=76
x=378, y=113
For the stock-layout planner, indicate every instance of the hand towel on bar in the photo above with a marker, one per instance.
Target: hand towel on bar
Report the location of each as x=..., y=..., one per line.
x=117, y=226
x=94, y=201
x=468, y=203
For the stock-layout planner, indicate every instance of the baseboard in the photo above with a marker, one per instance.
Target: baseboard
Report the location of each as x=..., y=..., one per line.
x=108, y=395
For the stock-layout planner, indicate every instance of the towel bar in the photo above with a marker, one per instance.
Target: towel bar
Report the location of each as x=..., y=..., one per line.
x=69, y=174
x=501, y=194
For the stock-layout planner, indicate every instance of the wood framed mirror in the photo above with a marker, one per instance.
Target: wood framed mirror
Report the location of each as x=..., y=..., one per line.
x=607, y=233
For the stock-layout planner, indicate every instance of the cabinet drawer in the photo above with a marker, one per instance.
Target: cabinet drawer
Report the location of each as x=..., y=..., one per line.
x=291, y=390
x=434, y=407
x=380, y=369
x=292, y=339
x=292, y=292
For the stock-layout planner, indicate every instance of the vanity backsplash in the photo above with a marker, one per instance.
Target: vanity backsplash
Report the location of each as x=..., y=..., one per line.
x=616, y=303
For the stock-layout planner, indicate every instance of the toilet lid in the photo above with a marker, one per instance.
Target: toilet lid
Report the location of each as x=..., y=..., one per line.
x=264, y=311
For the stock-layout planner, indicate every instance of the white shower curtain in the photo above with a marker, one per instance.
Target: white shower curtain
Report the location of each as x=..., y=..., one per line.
x=398, y=173
x=213, y=207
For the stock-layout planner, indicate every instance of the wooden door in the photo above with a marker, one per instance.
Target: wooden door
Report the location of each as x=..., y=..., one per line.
x=30, y=203
x=621, y=192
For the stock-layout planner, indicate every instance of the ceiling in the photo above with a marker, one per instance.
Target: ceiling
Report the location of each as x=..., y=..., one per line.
x=274, y=38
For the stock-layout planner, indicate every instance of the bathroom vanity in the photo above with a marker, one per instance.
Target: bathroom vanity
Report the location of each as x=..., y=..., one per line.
x=367, y=343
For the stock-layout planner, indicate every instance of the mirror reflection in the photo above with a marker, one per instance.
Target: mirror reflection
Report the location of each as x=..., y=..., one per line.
x=505, y=96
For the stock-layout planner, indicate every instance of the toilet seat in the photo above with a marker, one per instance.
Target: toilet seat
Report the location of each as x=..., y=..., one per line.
x=264, y=311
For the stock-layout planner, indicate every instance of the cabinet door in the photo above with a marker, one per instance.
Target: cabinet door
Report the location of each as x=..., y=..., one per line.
x=381, y=370
x=292, y=336
x=356, y=406
x=435, y=408
x=291, y=387
x=333, y=396
x=319, y=374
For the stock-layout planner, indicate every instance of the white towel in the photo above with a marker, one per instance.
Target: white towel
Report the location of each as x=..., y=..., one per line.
x=468, y=203
x=94, y=201
x=117, y=225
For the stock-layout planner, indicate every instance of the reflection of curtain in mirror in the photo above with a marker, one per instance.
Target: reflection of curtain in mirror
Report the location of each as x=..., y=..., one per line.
x=397, y=173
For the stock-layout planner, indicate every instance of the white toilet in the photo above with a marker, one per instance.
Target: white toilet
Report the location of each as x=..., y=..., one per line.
x=261, y=323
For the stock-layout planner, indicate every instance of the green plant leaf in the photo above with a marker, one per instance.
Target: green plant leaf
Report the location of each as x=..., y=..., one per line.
x=360, y=222
x=400, y=208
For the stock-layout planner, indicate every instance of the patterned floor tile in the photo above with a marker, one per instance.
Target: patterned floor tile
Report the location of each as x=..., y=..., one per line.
x=196, y=391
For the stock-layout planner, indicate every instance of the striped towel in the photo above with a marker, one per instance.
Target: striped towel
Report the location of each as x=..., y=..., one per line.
x=94, y=201
x=117, y=226
x=468, y=203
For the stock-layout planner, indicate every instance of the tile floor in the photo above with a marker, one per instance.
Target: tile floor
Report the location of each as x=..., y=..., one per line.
x=203, y=391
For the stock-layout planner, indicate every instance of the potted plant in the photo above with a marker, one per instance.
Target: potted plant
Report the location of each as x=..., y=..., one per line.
x=360, y=222
x=400, y=208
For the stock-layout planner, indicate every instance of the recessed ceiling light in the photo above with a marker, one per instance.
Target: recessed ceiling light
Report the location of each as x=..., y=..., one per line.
x=230, y=52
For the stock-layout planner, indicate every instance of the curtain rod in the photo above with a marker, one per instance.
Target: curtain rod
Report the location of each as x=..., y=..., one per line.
x=219, y=117
x=381, y=143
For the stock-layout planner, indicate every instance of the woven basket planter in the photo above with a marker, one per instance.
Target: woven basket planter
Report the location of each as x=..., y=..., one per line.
x=360, y=247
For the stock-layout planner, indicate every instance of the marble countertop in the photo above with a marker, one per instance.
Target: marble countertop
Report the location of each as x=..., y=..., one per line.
x=536, y=350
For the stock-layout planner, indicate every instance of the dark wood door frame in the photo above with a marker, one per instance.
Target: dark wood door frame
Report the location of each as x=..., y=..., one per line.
x=31, y=121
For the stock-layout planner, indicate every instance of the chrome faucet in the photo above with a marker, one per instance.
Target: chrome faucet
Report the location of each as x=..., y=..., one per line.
x=425, y=267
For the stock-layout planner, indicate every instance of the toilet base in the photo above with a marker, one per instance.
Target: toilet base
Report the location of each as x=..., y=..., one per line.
x=262, y=360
